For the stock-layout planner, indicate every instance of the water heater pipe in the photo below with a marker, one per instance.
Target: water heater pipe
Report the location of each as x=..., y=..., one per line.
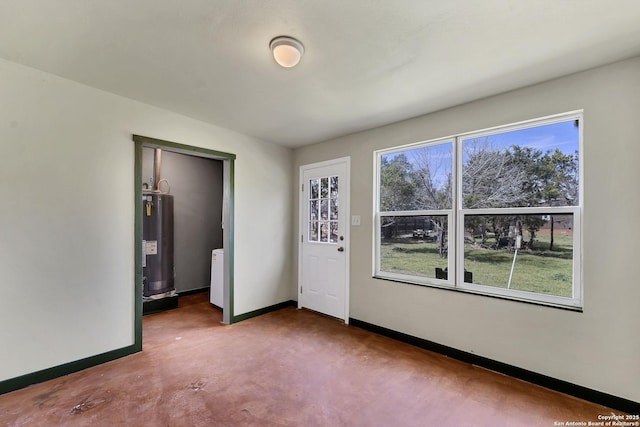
x=157, y=166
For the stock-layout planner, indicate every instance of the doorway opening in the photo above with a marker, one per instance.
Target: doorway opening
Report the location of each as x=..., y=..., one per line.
x=201, y=164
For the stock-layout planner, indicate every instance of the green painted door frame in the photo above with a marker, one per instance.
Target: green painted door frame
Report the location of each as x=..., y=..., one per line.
x=228, y=161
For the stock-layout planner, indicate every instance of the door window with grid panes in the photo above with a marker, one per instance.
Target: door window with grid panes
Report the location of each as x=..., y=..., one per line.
x=323, y=210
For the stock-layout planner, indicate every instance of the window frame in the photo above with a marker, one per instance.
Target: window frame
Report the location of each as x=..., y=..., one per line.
x=456, y=216
x=449, y=213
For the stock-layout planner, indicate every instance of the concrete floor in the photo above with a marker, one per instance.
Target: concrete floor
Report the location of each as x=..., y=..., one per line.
x=286, y=368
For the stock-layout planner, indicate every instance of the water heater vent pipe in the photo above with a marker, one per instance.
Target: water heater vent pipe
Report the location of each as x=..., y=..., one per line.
x=157, y=166
x=157, y=172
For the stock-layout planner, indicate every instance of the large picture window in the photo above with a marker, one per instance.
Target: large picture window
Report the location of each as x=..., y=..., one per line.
x=495, y=212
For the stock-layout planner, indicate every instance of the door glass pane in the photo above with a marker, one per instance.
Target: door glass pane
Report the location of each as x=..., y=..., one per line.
x=324, y=231
x=333, y=238
x=334, y=209
x=324, y=209
x=313, y=210
x=334, y=187
x=313, y=184
x=313, y=231
x=324, y=188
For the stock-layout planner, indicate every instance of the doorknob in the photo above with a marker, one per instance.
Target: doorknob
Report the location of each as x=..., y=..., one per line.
x=340, y=249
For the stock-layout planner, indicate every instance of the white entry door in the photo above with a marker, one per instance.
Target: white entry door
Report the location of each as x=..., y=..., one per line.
x=323, y=267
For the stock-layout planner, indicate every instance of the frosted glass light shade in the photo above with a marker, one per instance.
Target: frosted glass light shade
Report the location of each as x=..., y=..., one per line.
x=286, y=51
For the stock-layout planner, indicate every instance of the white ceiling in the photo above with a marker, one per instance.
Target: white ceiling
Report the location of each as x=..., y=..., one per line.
x=367, y=62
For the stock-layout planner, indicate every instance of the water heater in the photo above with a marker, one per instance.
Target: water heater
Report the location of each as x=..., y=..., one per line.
x=157, y=244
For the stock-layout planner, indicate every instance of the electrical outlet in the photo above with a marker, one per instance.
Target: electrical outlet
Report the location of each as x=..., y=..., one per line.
x=355, y=220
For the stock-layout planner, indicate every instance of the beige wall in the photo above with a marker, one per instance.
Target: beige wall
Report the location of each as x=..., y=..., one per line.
x=599, y=348
x=67, y=216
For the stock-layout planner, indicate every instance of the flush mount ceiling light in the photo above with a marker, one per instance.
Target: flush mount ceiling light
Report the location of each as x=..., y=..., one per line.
x=286, y=51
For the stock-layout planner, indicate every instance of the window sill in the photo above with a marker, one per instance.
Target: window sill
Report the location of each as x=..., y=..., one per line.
x=444, y=286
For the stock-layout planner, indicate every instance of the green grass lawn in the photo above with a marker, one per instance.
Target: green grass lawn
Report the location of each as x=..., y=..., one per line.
x=541, y=271
x=411, y=256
